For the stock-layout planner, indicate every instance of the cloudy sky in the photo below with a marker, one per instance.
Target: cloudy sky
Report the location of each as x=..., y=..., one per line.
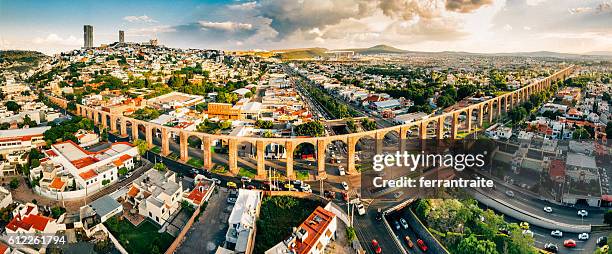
x=575, y=26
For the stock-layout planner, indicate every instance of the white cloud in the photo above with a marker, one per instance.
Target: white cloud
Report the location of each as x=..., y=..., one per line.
x=225, y=26
x=243, y=6
x=527, y=28
x=580, y=10
x=139, y=19
x=58, y=40
x=149, y=31
x=535, y=2
x=508, y=27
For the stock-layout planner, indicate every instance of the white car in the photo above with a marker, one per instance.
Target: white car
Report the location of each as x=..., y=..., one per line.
x=528, y=232
x=345, y=186
x=404, y=223
x=583, y=213
x=341, y=171
x=360, y=209
x=548, y=209
x=583, y=236
x=510, y=193
x=245, y=179
x=556, y=233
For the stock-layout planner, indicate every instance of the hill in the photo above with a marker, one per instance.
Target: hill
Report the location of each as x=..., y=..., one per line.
x=378, y=49
x=303, y=53
x=19, y=60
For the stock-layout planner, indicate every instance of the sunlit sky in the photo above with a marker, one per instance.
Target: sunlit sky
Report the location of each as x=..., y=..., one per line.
x=573, y=26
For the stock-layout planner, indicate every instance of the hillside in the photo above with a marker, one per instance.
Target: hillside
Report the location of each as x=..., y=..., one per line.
x=304, y=53
x=378, y=49
x=18, y=60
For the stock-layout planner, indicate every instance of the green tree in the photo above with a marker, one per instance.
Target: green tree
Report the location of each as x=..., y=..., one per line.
x=160, y=167
x=471, y=245
x=264, y=124
x=122, y=171
x=313, y=129
x=368, y=124
x=12, y=106
x=142, y=146
x=445, y=101
x=581, y=133
x=608, y=217
x=14, y=184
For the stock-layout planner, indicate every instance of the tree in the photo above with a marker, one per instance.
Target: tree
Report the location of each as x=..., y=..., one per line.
x=264, y=124
x=104, y=135
x=142, y=145
x=471, y=245
x=313, y=129
x=368, y=124
x=445, y=101
x=122, y=171
x=580, y=133
x=160, y=167
x=14, y=184
x=608, y=217
x=12, y=106
x=105, y=182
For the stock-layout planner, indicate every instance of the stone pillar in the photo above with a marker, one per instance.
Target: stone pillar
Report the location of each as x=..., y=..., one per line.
x=380, y=137
x=321, y=147
x=165, y=142
x=350, y=154
x=233, y=156
x=289, y=160
x=499, y=106
x=94, y=114
x=491, y=112
x=207, y=153
x=149, y=135
x=261, y=162
x=184, y=146
x=454, y=126
x=135, y=131
x=468, y=119
x=123, y=129
x=103, y=119
x=113, y=123
x=403, y=135
x=440, y=130
x=423, y=135
x=480, y=116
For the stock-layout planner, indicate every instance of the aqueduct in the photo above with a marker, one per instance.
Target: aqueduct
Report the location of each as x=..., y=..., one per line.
x=493, y=108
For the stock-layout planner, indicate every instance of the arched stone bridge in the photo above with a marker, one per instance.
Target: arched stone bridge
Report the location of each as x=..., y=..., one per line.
x=464, y=119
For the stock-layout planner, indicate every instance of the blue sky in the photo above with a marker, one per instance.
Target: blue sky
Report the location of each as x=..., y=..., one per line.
x=428, y=25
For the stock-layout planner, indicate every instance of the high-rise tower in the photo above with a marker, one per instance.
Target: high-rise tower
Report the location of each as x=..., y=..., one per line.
x=121, y=36
x=88, y=36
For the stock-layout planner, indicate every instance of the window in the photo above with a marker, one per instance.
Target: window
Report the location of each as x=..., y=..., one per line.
x=150, y=214
x=157, y=218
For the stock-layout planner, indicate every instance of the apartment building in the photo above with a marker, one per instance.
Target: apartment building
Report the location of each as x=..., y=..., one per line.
x=156, y=195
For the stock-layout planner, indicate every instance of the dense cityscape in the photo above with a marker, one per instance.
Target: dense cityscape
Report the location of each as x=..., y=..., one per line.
x=138, y=147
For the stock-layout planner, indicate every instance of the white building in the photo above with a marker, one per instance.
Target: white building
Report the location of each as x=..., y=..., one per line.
x=93, y=170
x=242, y=221
x=27, y=220
x=21, y=139
x=156, y=195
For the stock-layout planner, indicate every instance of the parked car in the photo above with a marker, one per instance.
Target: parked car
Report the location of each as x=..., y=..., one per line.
x=341, y=171
x=345, y=186
x=232, y=185
x=421, y=245
x=601, y=241
x=329, y=194
x=583, y=213
x=569, y=243
x=408, y=242
x=551, y=247
x=376, y=247
x=583, y=236
x=379, y=215
x=360, y=209
x=216, y=181
x=548, y=209
x=524, y=225
x=397, y=225
x=556, y=233
x=245, y=179
x=604, y=249
x=404, y=223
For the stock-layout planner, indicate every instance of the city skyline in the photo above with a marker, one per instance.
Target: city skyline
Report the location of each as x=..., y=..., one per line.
x=483, y=26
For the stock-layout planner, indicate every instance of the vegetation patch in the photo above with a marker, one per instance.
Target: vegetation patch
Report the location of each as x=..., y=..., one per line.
x=195, y=162
x=279, y=214
x=141, y=239
x=247, y=172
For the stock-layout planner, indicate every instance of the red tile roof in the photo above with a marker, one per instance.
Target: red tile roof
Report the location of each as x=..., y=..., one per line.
x=196, y=195
x=35, y=221
x=3, y=248
x=57, y=183
x=314, y=229
x=88, y=174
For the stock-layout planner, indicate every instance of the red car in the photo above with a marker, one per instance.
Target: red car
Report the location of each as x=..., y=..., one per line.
x=376, y=247
x=345, y=196
x=421, y=245
x=569, y=243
